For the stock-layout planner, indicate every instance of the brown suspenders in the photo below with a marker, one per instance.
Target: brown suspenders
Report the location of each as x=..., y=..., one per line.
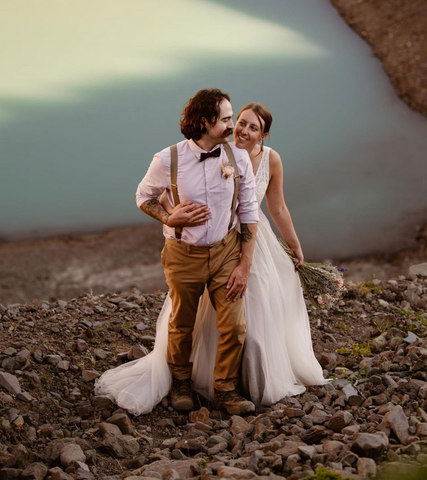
x=232, y=160
x=174, y=186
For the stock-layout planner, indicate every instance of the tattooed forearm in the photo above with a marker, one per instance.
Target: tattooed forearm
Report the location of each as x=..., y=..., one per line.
x=155, y=210
x=246, y=234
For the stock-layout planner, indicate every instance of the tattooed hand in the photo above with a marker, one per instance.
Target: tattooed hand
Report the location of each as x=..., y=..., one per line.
x=238, y=281
x=155, y=210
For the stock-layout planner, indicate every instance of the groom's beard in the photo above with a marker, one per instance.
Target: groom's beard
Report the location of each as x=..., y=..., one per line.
x=227, y=133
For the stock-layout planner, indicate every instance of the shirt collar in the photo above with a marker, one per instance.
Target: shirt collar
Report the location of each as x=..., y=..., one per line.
x=197, y=150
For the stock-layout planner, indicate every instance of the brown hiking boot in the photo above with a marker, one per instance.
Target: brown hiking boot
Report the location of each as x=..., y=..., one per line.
x=231, y=401
x=181, y=396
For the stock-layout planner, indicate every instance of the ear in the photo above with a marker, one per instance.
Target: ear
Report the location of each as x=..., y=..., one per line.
x=203, y=128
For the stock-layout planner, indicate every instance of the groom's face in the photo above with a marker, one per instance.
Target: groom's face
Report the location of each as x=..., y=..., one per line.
x=220, y=131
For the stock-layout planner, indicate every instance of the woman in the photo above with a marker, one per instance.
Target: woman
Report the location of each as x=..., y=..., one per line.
x=278, y=358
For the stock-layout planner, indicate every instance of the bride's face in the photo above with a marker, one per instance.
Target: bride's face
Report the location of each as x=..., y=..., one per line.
x=248, y=130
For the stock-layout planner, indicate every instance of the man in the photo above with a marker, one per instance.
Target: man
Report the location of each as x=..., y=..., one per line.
x=209, y=253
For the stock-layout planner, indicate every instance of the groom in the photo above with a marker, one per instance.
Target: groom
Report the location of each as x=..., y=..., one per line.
x=213, y=182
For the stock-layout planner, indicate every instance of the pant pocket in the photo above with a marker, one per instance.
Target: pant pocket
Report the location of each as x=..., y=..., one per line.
x=163, y=255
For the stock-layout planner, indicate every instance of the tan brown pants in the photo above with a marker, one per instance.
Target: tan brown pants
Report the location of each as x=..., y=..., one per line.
x=188, y=270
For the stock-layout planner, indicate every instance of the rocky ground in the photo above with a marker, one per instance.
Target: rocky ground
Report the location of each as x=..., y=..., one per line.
x=396, y=31
x=370, y=420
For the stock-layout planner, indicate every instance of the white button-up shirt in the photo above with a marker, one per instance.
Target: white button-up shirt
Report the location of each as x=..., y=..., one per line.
x=202, y=182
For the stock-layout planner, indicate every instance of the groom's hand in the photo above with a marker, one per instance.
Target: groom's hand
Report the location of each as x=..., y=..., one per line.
x=238, y=280
x=237, y=283
x=187, y=214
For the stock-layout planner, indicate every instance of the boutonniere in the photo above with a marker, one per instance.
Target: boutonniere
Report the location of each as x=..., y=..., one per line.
x=227, y=170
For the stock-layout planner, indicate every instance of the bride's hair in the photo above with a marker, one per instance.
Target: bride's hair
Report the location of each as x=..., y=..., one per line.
x=262, y=112
x=204, y=104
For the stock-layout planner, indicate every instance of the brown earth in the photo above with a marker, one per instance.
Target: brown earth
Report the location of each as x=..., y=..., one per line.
x=123, y=258
x=396, y=30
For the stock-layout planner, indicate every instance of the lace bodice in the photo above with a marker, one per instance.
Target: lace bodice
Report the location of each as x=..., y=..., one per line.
x=262, y=176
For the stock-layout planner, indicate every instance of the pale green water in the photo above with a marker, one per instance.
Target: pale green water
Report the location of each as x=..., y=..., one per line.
x=354, y=154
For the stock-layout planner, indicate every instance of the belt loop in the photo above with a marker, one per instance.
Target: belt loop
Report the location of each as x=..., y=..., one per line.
x=188, y=248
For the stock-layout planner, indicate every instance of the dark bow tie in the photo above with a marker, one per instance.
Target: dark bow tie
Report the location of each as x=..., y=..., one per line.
x=214, y=153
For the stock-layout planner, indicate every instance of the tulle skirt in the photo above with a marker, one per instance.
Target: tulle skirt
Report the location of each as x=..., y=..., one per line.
x=278, y=358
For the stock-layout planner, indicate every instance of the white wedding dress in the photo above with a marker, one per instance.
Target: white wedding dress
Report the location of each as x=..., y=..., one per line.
x=278, y=357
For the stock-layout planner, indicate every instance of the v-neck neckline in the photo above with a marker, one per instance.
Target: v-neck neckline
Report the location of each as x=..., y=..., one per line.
x=259, y=164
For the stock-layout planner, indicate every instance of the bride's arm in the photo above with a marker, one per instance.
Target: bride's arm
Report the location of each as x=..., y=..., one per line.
x=164, y=202
x=277, y=207
x=187, y=214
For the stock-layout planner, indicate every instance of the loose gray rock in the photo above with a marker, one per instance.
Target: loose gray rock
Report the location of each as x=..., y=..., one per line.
x=71, y=453
x=35, y=471
x=411, y=338
x=318, y=417
x=54, y=448
x=10, y=351
x=328, y=360
x=121, y=446
x=81, y=345
x=370, y=445
x=352, y=395
x=202, y=415
x=63, y=365
x=137, y=351
x=109, y=430
x=101, y=354
x=24, y=397
x=129, y=306
x=236, y=473
x=379, y=343
x=420, y=269
x=184, y=468
x=397, y=421
x=339, y=421
x=191, y=444
x=123, y=422
x=10, y=383
x=240, y=425
x=53, y=359
x=289, y=448
x=307, y=451
x=58, y=474
x=10, y=473
x=366, y=467
x=89, y=375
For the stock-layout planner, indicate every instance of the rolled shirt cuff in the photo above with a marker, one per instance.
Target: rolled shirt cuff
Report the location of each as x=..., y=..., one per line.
x=250, y=217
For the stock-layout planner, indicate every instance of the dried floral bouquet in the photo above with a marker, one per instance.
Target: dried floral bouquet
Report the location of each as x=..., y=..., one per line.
x=323, y=283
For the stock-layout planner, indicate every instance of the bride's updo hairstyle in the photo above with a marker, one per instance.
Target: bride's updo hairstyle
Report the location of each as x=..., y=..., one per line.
x=262, y=112
x=205, y=104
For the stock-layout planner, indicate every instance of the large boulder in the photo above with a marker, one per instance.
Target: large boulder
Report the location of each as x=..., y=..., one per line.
x=370, y=445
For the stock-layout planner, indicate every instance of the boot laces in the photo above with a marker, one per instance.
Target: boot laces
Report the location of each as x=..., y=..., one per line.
x=182, y=387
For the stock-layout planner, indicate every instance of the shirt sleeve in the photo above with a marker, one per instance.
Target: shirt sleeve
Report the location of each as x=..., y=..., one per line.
x=247, y=209
x=156, y=180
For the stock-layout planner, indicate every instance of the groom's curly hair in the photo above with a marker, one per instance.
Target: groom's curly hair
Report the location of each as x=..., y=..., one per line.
x=205, y=104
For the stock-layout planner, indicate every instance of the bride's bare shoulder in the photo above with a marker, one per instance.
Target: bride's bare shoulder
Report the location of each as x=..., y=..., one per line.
x=275, y=161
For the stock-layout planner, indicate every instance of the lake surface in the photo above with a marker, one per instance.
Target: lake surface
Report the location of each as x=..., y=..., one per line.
x=90, y=94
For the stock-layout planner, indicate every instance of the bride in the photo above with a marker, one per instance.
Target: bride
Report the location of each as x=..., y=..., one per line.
x=278, y=359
